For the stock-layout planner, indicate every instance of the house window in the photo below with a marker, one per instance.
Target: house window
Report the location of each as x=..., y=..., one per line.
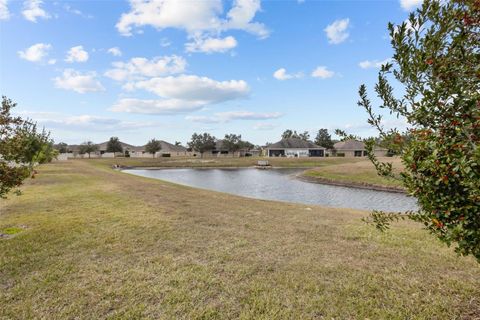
x=358, y=153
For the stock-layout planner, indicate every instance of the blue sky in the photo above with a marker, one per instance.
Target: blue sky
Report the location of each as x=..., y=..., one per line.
x=89, y=70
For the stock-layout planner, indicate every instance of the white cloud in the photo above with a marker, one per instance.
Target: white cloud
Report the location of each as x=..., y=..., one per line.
x=367, y=64
x=194, y=88
x=36, y=52
x=32, y=10
x=184, y=93
x=161, y=106
x=281, y=74
x=165, y=43
x=408, y=5
x=210, y=45
x=140, y=67
x=322, y=72
x=222, y=117
x=171, y=14
x=203, y=17
x=78, y=82
x=337, y=31
x=115, y=51
x=4, y=13
x=264, y=126
x=241, y=15
x=52, y=61
x=84, y=122
x=77, y=12
x=76, y=54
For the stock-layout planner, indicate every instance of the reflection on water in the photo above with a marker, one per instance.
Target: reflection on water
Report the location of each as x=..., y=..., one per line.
x=280, y=184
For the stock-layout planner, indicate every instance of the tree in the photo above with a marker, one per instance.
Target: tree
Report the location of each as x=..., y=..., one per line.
x=153, y=146
x=304, y=136
x=324, y=139
x=62, y=147
x=233, y=143
x=293, y=134
x=202, y=142
x=248, y=145
x=21, y=148
x=88, y=147
x=178, y=143
x=436, y=59
x=114, y=145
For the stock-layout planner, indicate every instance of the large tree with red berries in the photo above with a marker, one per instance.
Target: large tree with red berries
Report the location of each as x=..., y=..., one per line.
x=437, y=63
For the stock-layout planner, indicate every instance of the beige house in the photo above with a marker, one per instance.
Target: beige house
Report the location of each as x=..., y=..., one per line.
x=168, y=150
x=354, y=148
x=294, y=147
x=221, y=150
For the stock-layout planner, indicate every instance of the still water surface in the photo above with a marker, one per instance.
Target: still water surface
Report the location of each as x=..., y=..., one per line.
x=280, y=184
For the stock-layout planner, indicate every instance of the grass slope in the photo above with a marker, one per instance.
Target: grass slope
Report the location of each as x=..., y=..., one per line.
x=96, y=243
x=179, y=162
x=361, y=171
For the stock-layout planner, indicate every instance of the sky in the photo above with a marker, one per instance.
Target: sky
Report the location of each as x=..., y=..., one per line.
x=164, y=69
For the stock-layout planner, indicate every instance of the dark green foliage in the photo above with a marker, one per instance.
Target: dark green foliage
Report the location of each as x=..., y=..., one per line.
x=114, y=145
x=202, y=142
x=293, y=134
x=324, y=139
x=62, y=147
x=153, y=146
x=88, y=147
x=233, y=143
x=21, y=147
x=437, y=60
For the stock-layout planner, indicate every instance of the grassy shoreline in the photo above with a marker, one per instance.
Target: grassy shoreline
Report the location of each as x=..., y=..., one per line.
x=356, y=174
x=347, y=172
x=98, y=243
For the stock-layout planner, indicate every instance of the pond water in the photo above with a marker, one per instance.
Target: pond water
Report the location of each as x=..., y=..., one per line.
x=281, y=185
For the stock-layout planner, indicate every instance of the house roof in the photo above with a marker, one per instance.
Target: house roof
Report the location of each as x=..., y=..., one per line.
x=168, y=147
x=220, y=145
x=294, y=143
x=353, y=145
x=349, y=145
x=125, y=146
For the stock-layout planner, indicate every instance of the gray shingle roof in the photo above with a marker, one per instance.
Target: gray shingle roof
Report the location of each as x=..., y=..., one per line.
x=103, y=146
x=349, y=145
x=294, y=143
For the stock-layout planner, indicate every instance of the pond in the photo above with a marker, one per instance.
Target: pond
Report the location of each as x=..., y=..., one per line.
x=281, y=185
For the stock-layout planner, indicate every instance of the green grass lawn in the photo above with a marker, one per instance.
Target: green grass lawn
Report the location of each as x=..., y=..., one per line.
x=91, y=242
x=221, y=162
x=361, y=172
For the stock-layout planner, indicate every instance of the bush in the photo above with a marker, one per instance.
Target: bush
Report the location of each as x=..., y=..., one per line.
x=436, y=59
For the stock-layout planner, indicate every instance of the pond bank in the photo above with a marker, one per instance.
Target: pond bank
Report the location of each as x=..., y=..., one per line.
x=282, y=184
x=351, y=184
x=300, y=176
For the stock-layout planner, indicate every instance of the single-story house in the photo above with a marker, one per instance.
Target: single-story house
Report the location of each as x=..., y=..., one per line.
x=294, y=147
x=354, y=148
x=221, y=151
x=168, y=150
x=128, y=149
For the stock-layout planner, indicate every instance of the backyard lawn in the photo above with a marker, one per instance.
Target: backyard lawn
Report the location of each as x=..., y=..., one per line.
x=87, y=242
